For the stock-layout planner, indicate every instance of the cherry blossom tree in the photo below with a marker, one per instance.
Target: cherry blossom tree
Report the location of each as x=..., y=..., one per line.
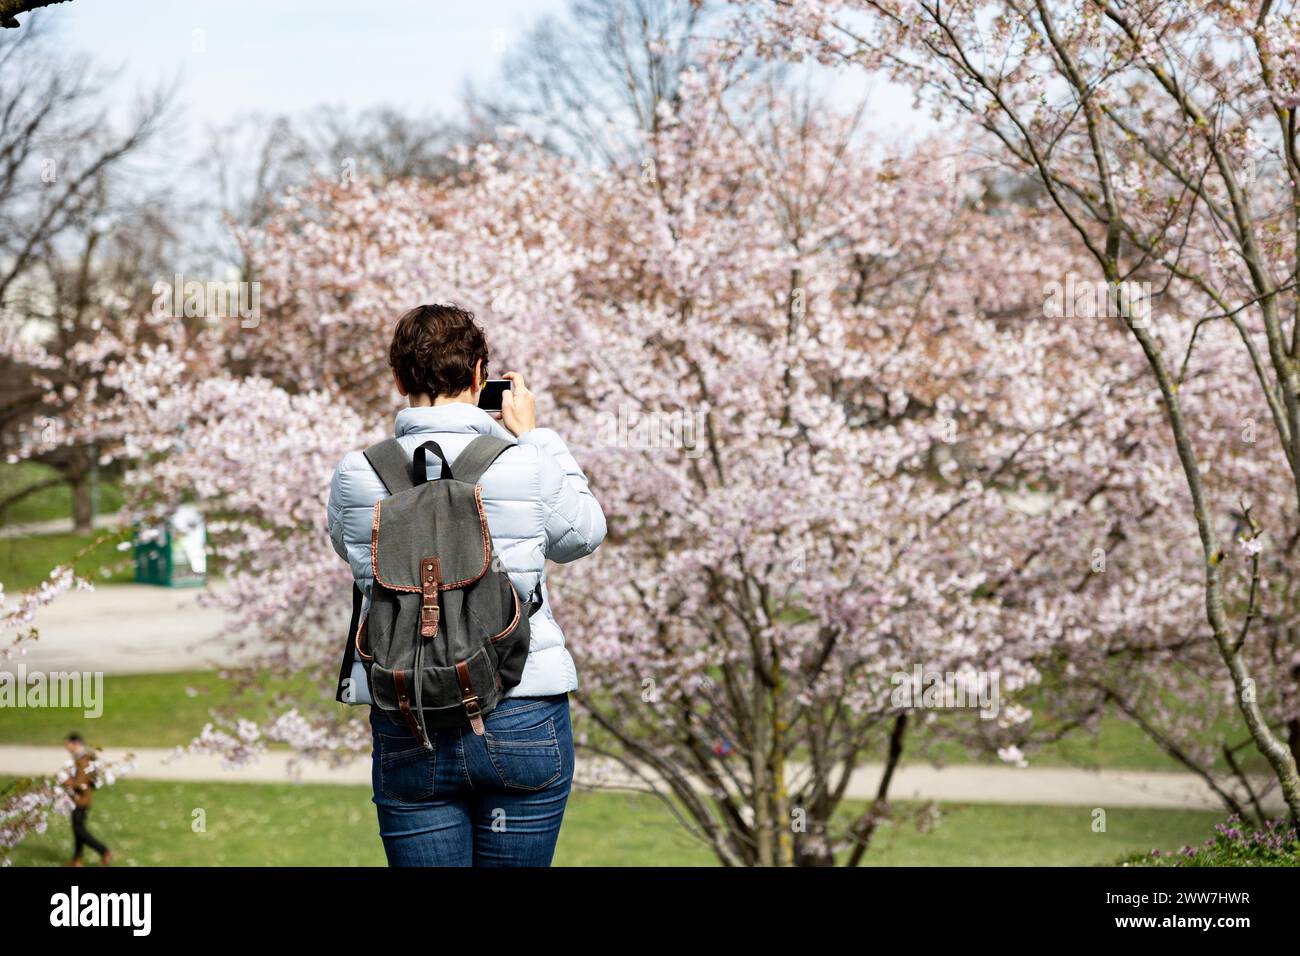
x=1163, y=136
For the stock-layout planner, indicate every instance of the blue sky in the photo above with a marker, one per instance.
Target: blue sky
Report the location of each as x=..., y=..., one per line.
x=234, y=57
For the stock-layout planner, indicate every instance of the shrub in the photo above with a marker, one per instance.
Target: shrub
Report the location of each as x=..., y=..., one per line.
x=1235, y=843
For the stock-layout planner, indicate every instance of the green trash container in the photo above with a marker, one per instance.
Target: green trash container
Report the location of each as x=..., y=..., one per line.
x=173, y=554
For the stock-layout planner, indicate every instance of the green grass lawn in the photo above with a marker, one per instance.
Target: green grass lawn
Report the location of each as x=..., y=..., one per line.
x=26, y=562
x=48, y=503
x=152, y=823
x=142, y=710
x=1119, y=744
x=987, y=834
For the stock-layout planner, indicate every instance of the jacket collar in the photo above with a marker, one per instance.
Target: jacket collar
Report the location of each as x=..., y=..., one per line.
x=460, y=417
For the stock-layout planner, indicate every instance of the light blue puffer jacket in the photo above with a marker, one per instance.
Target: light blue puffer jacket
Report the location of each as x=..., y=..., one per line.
x=538, y=507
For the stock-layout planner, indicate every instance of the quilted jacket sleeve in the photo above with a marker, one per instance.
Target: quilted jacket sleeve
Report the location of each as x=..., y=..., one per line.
x=354, y=490
x=573, y=522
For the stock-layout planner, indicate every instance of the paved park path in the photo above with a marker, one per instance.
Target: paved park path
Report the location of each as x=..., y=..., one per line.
x=132, y=629
x=963, y=784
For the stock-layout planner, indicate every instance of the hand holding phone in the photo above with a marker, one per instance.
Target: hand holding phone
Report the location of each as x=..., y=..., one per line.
x=518, y=406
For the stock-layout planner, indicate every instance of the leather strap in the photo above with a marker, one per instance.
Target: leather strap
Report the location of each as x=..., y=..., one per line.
x=404, y=705
x=361, y=640
x=468, y=698
x=430, y=579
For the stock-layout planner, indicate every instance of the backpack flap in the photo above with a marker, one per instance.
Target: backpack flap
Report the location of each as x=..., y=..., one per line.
x=407, y=536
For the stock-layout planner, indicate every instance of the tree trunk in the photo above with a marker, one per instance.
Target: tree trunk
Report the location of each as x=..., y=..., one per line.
x=865, y=827
x=83, y=510
x=9, y=10
x=82, y=513
x=1278, y=754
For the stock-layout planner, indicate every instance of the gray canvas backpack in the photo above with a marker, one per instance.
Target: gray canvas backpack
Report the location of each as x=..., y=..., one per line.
x=446, y=634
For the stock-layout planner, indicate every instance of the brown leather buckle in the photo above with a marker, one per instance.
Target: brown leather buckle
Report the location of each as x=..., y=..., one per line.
x=469, y=699
x=431, y=578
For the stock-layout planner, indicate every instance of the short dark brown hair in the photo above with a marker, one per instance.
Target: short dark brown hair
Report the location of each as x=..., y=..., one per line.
x=434, y=350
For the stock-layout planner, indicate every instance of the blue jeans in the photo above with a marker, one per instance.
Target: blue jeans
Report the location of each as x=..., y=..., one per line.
x=495, y=800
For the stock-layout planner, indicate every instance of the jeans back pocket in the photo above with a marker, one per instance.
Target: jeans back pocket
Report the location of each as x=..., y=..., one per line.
x=525, y=758
x=405, y=768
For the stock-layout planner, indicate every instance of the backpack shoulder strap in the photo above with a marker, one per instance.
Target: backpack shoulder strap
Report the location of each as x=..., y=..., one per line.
x=345, y=669
x=391, y=464
x=476, y=456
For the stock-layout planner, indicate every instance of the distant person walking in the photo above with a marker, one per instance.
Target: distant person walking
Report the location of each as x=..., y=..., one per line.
x=81, y=787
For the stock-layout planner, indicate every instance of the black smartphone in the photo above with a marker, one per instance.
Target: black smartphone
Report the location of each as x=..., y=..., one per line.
x=489, y=398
